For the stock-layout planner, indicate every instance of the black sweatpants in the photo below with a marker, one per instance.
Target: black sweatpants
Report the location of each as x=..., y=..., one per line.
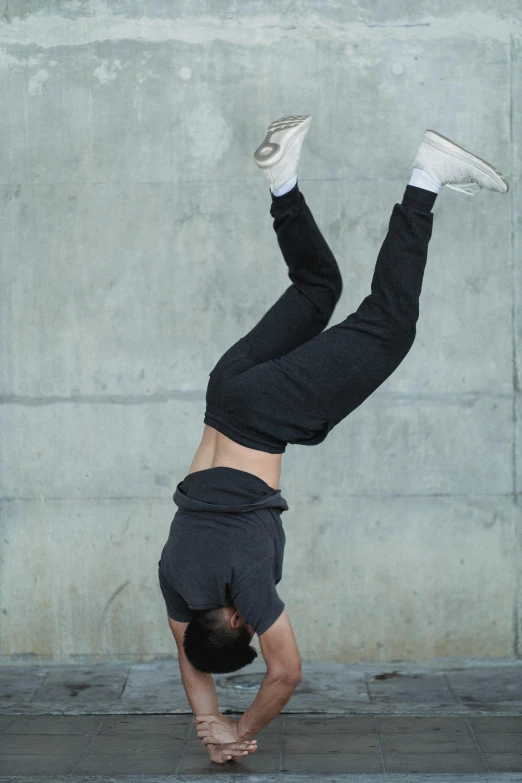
x=287, y=380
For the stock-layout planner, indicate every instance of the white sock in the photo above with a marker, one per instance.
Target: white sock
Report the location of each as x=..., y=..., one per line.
x=285, y=187
x=420, y=179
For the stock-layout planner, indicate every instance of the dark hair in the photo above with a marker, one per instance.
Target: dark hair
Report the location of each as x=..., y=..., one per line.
x=212, y=646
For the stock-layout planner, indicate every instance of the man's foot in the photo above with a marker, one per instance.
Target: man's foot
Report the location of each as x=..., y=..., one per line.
x=279, y=153
x=453, y=166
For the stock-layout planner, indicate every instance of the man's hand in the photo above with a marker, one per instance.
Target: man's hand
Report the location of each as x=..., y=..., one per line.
x=216, y=729
x=220, y=754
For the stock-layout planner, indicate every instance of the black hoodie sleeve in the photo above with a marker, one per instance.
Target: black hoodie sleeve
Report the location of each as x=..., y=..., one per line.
x=255, y=598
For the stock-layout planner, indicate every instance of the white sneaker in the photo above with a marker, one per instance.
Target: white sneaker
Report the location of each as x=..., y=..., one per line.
x=453, y=166
x=279, y=153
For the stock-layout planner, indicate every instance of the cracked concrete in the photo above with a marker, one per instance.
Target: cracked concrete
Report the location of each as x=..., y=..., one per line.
x=136, y=246
x=458, y=687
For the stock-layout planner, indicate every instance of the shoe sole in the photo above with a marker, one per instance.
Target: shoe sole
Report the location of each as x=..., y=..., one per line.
x=444, y=144
x=269, y=153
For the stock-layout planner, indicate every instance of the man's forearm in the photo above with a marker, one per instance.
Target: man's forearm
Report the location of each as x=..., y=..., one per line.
x=200, y=689
x=274, y=694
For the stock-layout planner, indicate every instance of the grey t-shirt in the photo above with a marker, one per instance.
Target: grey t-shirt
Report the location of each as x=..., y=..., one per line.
x=225, y=547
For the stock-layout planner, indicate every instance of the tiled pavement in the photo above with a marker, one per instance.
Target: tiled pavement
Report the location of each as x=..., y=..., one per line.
x=402, y=722
x=79, y=746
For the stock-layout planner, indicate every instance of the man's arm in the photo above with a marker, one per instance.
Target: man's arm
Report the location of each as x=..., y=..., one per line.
x=201, y=693
x=283, y=675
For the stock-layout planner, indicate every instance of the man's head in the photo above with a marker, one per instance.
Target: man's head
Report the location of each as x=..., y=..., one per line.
x=218, y=641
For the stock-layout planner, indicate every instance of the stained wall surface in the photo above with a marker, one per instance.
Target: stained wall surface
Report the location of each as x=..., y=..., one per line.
x=137, y=246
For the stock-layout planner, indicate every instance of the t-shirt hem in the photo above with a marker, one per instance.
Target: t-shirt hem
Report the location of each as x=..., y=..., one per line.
x=178, y=619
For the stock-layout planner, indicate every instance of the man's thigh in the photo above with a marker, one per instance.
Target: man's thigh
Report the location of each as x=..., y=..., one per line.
x=300, y=397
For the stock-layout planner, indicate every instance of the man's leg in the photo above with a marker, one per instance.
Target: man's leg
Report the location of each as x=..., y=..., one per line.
x=306, y=306
x=352, y=359
x=303, y=310
x=299, y=397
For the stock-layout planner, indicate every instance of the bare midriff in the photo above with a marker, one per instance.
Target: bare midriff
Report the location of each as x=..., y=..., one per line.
x=218, y=451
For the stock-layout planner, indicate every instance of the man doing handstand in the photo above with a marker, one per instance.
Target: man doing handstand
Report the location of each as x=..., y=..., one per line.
x=286, y=381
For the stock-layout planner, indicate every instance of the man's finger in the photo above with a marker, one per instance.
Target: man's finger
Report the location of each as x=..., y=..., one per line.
x=207, y=733
x=209, y=737
x=203, y=728
x=205, y=724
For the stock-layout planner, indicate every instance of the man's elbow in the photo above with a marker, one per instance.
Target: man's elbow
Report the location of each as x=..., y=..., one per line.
x=295, y=679
x=289, y=678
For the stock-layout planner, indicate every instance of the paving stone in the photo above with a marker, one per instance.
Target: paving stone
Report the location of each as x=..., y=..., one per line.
x=173, y=726
x=42, y=745
x=156, y=686
x=255, y=763
x=505, y=762
x=413, y=689
x=54, y=724
x=152, y=764
x=18, y=683
x=195, y=747
x=327, y=724
x=500, y=743
x=502, y=723
x=332, y=743
x=89, y=685
x=325, y=686
x=331, y=763
x=428, y=742
x=434, y=762
x=135, y=744
x=5, y=721
x=495, y=684
x=37, y=765
x=394, y=725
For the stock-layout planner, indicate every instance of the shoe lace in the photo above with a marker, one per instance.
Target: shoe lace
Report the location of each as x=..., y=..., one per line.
x=470, y=188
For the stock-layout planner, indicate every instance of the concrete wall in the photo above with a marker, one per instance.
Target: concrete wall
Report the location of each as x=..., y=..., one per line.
x=137, y=245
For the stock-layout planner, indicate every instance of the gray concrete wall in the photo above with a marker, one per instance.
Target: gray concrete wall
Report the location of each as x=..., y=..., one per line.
x=137, y=245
